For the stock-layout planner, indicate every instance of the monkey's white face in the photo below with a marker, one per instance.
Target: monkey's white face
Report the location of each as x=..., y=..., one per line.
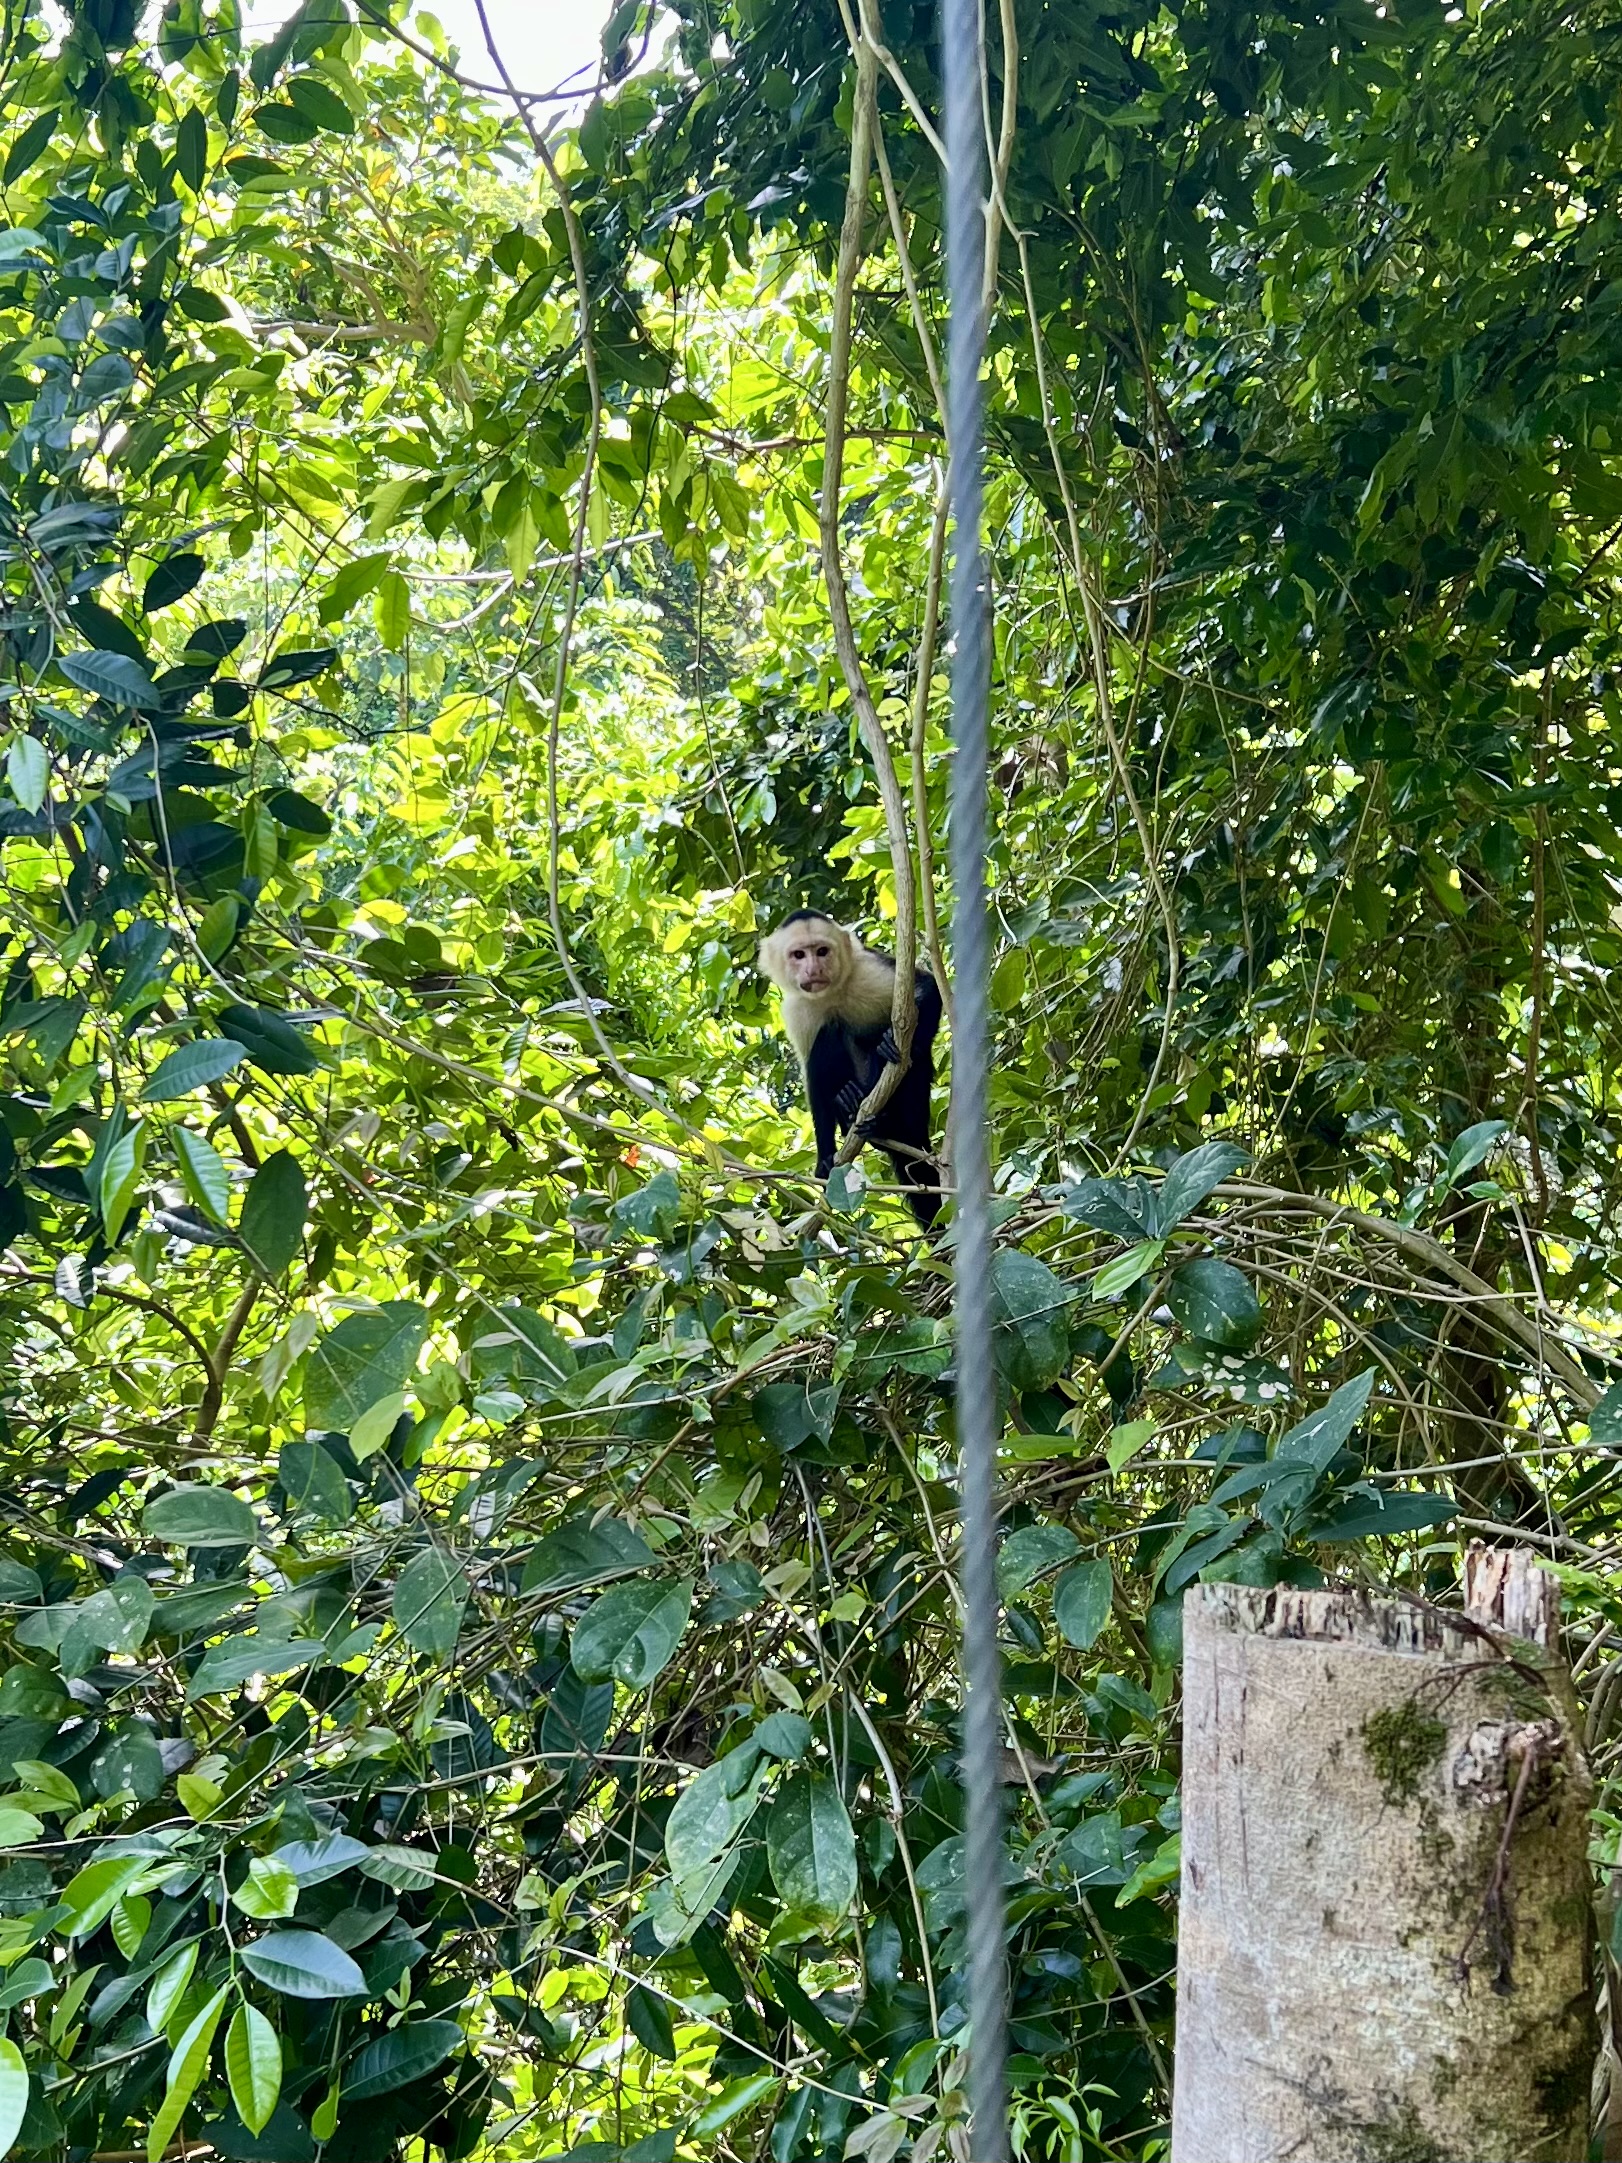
x=813, y=962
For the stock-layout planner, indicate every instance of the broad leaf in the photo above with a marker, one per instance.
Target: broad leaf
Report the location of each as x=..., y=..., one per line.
x=366, y=1357
x=1214, y=1302
x=192, y=1066
x=188, y=2063
x=114, y=677
x=712, y=1809
x=631, y=1633
x=1081, y=1602
x=253, y=2066
x=1030, y=1553
x=273, y=1213
x=400, y=2057
x=1193, y=1177
x=303, y=1964
x=812, y=1849
x=200, y=1517
x=13, y=2093
x=1314, y=1440
x=429, y=1600
x=227, y=1667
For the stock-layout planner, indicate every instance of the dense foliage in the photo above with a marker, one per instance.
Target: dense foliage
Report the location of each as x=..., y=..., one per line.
x=476, y=1522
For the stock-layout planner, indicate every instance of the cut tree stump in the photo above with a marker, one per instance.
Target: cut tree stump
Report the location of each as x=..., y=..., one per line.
x=1385, y=1937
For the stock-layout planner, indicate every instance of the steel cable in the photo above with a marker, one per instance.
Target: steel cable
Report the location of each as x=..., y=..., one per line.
x=977, y=1415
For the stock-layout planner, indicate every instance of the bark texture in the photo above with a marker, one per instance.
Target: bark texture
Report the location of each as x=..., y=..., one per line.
x=1385, y=1947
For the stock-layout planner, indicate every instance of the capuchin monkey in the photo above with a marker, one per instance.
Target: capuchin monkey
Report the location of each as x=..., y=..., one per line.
x=837, y=997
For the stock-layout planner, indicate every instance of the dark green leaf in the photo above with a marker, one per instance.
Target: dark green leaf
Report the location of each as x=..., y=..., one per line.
x=273, y=1213
x=193, y=1066
x=173, y=579
x=1215, y=1303
x=429, y=1601
x=303, y=1964
x=23, y=154
x=291, y=666
x=1029, y=1553
x=812, y=1849
x=113, y=677
x=200, y=1517
x=631, y=1633
x=269, y=1040
x=400, y=2057
x=1081, y=1602
x=191, y=148
x=366, y=1357
x=227, y=1667
x=1192, y=1178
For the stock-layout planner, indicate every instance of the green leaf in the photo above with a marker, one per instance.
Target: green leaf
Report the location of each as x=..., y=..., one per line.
x=191, y=148
x=391, y=611
x=18, y=1827
x=349, y=585
x=1382, y=1514
x=303, y=1964
x=187, y=2065
x=313, y=1862
x=23, y=153
x=1192, y=1178
x=581, y=1553
x=1472, y=1147
x=227, y=1667
x=366, y=1357
x=319, y=102
x=200, y=1517
x=631, y=1633
x=1313, y=1441
x=735, y=2098
x=28, y=771
x=400, y=2057
x=269, y=1892
x=1029, y=1553
x=785, y=1735
x=203, y=1173
x=649, y=2019
x=173, y=579
x=653, y=1210
x=112, y=677
x=811, y=1849
x=429, y=1601
x=293, y=665
x=1214, y=1302
x=269, y=1039
x=1128, y=1269
x=312, y=1480
x=131, y=1762
x=1030, y=1312
x=285, y=124
x=13, y=2070
x=273, y=1213
x=1081, y=1603
x=1605, y=1421
x=168, y=1986
x=93, y=1894
x=120, y=1180
x=192, y=1066
x=372, y=1430
x=402, y=1870
x=253, y=2066
x=712, y=1809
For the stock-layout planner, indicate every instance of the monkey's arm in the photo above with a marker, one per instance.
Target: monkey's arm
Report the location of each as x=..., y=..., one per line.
x=927, y=995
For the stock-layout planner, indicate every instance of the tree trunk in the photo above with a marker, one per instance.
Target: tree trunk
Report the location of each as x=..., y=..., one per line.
x=1385, y=1950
